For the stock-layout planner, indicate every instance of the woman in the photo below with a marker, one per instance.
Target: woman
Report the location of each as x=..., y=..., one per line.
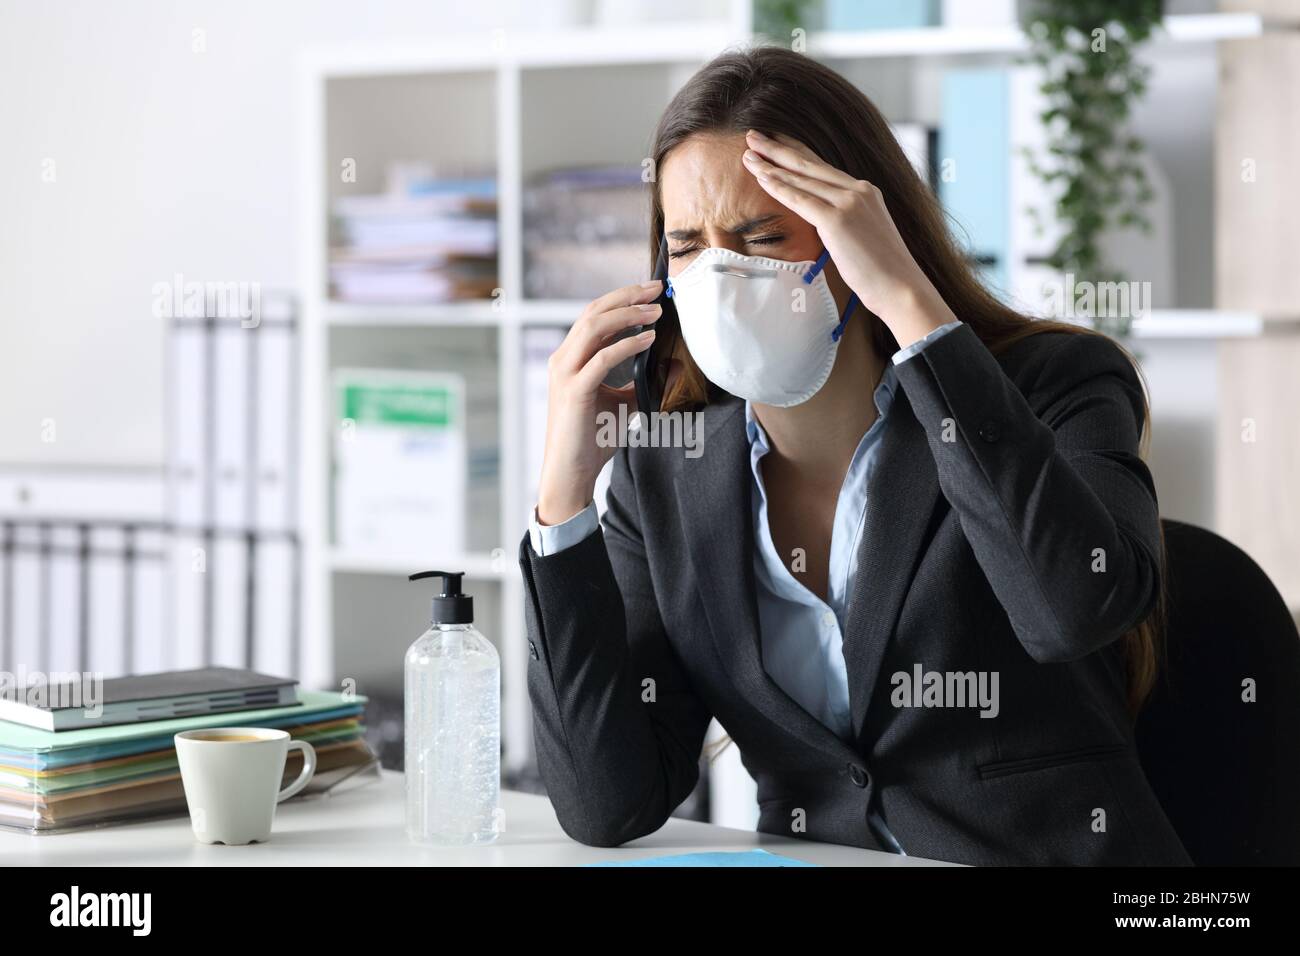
x=915, y=569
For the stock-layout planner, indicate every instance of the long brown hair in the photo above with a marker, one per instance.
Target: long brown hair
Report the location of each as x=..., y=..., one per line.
x=774, y=90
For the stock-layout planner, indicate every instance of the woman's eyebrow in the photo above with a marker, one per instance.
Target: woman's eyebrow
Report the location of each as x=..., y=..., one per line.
x=739, y=229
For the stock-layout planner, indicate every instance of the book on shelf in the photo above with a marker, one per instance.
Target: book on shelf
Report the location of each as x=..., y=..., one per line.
x=426, y=239
x=585, y=231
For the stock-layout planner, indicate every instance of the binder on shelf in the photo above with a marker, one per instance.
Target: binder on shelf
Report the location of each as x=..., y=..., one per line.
x=918, y=141
x=1032, y=235
x=125, y=599
x=537, y=343
x=894, y=15
x=188, y=467
x=107, y=580
x=231, y=418
x=980, y=14
x=191, y=601
x=400, y=461
x=233, y=469
x=25, y=582
x=61, y=616
x=974, y=186
x=276, y=437
x=144, y=616
x=230, y=586
x=274, y=607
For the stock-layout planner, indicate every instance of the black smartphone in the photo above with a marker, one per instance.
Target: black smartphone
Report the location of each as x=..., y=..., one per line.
x=650, y=368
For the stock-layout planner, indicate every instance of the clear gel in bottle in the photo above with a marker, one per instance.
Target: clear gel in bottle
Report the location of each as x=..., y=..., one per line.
x=453, y=726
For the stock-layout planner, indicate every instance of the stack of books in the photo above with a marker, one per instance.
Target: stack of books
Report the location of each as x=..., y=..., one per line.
x=586, y=231
x=425, y=240
x=120, y=764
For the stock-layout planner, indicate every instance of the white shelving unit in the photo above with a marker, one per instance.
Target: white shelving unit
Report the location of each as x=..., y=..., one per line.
x=519, y=102
x=1003, y=40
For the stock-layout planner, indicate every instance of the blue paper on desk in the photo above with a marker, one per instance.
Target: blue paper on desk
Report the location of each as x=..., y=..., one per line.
x=734, y=858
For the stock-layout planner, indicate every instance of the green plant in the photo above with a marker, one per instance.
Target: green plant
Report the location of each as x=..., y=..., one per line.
x=778, y=19
x=1092, y=77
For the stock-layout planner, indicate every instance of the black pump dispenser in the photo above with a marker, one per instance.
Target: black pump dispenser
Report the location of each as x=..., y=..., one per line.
x=451, y=606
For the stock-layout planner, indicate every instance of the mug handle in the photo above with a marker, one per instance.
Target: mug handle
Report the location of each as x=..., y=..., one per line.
x=308, y=769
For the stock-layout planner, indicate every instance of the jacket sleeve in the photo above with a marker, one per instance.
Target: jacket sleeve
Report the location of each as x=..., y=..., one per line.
x=618, y=728
x=1052, y=494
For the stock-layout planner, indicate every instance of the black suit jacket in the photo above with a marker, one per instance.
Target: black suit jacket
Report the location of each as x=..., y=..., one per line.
x=1011, y=527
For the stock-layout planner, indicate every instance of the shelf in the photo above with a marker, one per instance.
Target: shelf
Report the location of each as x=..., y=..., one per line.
x=1198, y=324
x=490, y=314
x=434, y=314
x=949, y=41
x=1159, y=324
x=595, y=46
x=551, y=311
x=696, y=42
x=485, y=50
x=1193, y=324
x=483, y=566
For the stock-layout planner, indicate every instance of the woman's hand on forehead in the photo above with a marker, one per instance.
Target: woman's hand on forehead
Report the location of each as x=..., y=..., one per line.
x=853, y=221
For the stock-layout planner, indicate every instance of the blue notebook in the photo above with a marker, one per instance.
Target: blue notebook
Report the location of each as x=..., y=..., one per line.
x=732, y=858
x=45, y=749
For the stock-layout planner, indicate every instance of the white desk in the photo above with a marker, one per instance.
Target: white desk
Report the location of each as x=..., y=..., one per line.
x=365, y=826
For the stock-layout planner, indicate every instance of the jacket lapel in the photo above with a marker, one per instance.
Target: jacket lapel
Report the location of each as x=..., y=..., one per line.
x=902, y=493
x=714, y=502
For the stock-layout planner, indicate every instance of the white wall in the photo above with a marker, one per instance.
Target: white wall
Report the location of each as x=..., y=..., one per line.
x=166, y=160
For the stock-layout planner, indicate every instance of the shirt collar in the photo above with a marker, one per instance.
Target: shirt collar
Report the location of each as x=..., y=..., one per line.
x=884, y=397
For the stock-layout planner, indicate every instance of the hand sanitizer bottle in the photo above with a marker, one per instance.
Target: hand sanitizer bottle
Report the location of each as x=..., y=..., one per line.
x=453, y=725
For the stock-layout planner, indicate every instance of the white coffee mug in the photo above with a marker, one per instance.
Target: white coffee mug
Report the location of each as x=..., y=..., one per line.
x=232, y=780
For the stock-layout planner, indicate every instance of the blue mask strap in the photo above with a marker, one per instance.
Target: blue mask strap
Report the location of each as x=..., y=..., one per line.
x=811, y=274
x=817, y=266
x=848, y=311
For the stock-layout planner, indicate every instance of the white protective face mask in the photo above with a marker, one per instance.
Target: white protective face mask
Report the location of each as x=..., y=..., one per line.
x=765, y=330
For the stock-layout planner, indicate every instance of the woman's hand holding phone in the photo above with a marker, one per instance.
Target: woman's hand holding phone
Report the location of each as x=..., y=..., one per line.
x=577, y=395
